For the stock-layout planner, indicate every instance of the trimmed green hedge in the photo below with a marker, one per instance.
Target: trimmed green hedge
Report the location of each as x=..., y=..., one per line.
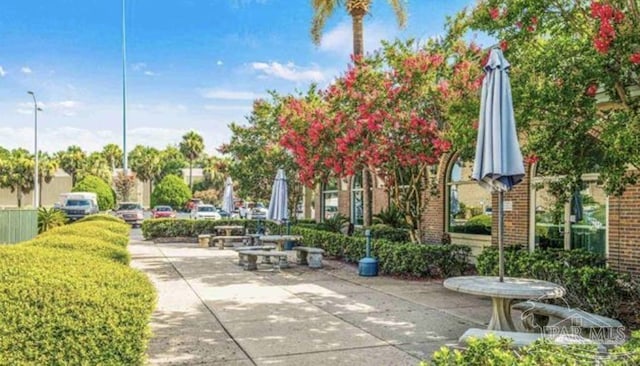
x=382, y=231
x=90, y=231
x=169, y=228
x=394, y=258
x=69, y=308
x=106, y=195
x=95, y=246
x=115, y=227
x=498, y=351
x=101, y=217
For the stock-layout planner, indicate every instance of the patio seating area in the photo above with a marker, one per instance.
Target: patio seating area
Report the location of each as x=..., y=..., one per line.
x=211, y=311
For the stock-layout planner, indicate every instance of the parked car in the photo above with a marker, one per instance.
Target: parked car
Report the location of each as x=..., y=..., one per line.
x=77, y=205
x=258, y=212
x=205, y=212
x=163, y=212
x=131, y=212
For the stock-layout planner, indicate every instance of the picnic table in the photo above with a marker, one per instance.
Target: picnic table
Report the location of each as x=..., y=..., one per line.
x=229, y=228
x=279, y=239
x=504, y=293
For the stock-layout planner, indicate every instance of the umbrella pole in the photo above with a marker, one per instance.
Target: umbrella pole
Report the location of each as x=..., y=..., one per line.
x=501, y=236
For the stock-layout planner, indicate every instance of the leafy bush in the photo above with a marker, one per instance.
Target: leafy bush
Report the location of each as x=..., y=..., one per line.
x=392, y=216
x=394, y=258
x=101, y=217
x=94, y=246
x=49, y=218
x=334, y=224
x=106, y=195
x=171, y=191
x=480, y=224
x=115, y=227
x=381, y=231
x=576, y=270
x=499, y=351
x=69, y=308
x=89, y=231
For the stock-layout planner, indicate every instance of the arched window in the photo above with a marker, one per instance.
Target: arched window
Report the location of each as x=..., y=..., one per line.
x=468, y=204
x=357, y=217
x=329, y=199
x=580, y=222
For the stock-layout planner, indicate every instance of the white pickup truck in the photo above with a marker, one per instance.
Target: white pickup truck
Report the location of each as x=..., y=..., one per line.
x=77, y=205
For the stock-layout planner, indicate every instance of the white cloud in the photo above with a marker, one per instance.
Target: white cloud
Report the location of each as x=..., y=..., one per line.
x=26, y=70
x=138, y=66
x=219, y=63
x=149, y=73
x=216, y=107
x=289, y=71
x=2, y=72
x=339, y=40
x=66, y=108
x=230, y=94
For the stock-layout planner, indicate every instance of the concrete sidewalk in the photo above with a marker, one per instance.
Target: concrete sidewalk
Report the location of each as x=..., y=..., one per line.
x=211, y=312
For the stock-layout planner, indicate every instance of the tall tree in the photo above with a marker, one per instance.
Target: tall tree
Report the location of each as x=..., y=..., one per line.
x=72, y=161
x=357, y=9
x=171, y=162
x=256, y=154
x=215, y=171
x=113, y=155
x=16, y=173
x=145, y=162
x=191, y=147
x=97, y=166
x=48, y=166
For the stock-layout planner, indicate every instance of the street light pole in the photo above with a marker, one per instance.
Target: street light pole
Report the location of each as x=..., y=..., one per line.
x=124, y=90
x=36, y=177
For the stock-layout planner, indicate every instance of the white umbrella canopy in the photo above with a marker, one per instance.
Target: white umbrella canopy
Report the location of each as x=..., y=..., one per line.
x=498, y=164
x=279, y=197
x=227, y=196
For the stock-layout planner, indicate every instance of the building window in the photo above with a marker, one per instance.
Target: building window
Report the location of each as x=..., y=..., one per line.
x=579, y=223
x=357, y=217
x=469, y=205
x=330, y=199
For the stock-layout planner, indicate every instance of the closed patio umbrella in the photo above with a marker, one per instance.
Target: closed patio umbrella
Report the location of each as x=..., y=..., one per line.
x=227, y=196
x=279, y=196
x=498, y=164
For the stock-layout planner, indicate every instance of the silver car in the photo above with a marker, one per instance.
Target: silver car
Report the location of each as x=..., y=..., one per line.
x=131, y=212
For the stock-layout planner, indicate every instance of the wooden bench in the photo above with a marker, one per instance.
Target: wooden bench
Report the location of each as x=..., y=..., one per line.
x=227, y=241
x=252, y=259
x=520, y=339
x=310, y=256
x=242, y=256
x=537, y=315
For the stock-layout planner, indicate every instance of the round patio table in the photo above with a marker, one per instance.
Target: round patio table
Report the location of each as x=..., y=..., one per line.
x=504, y=293
x=279, y=239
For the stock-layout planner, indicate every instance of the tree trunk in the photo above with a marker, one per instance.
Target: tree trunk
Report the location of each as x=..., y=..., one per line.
x=19, y=195
x=40, y=194
x=190, y=175
x=358, y=50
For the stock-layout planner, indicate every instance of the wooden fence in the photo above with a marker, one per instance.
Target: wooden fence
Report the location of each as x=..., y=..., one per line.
x=18, y=225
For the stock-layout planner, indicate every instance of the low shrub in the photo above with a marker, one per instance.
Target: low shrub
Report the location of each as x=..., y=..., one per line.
x=171, y=191
x=499, y=351
x=106, y=195
x=101, y=217
x=171, y=228
x=89, y=231
x=576, y=270
x=115, y=227
x=480, y=225
x=70, y=308
x=394, y=258
x=382, y=231
x=94, y=246
x=48, y=218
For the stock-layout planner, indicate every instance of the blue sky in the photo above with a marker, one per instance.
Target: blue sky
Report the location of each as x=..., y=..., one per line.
x=191, y=64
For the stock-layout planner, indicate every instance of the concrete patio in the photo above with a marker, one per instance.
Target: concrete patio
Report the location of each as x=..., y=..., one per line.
x=211, y=312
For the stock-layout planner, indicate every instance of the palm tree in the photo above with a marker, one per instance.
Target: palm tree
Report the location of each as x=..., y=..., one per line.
x=16, y=173
x=98, y=166
x=357, y=9
x=48, y=166
x=72, y=161
x=112, y=153
x=145, y=162
x=215, y=172
x=191, y=147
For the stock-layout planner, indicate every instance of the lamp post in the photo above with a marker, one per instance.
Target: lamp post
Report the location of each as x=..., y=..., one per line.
x=36, y=178
x=124, y=90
